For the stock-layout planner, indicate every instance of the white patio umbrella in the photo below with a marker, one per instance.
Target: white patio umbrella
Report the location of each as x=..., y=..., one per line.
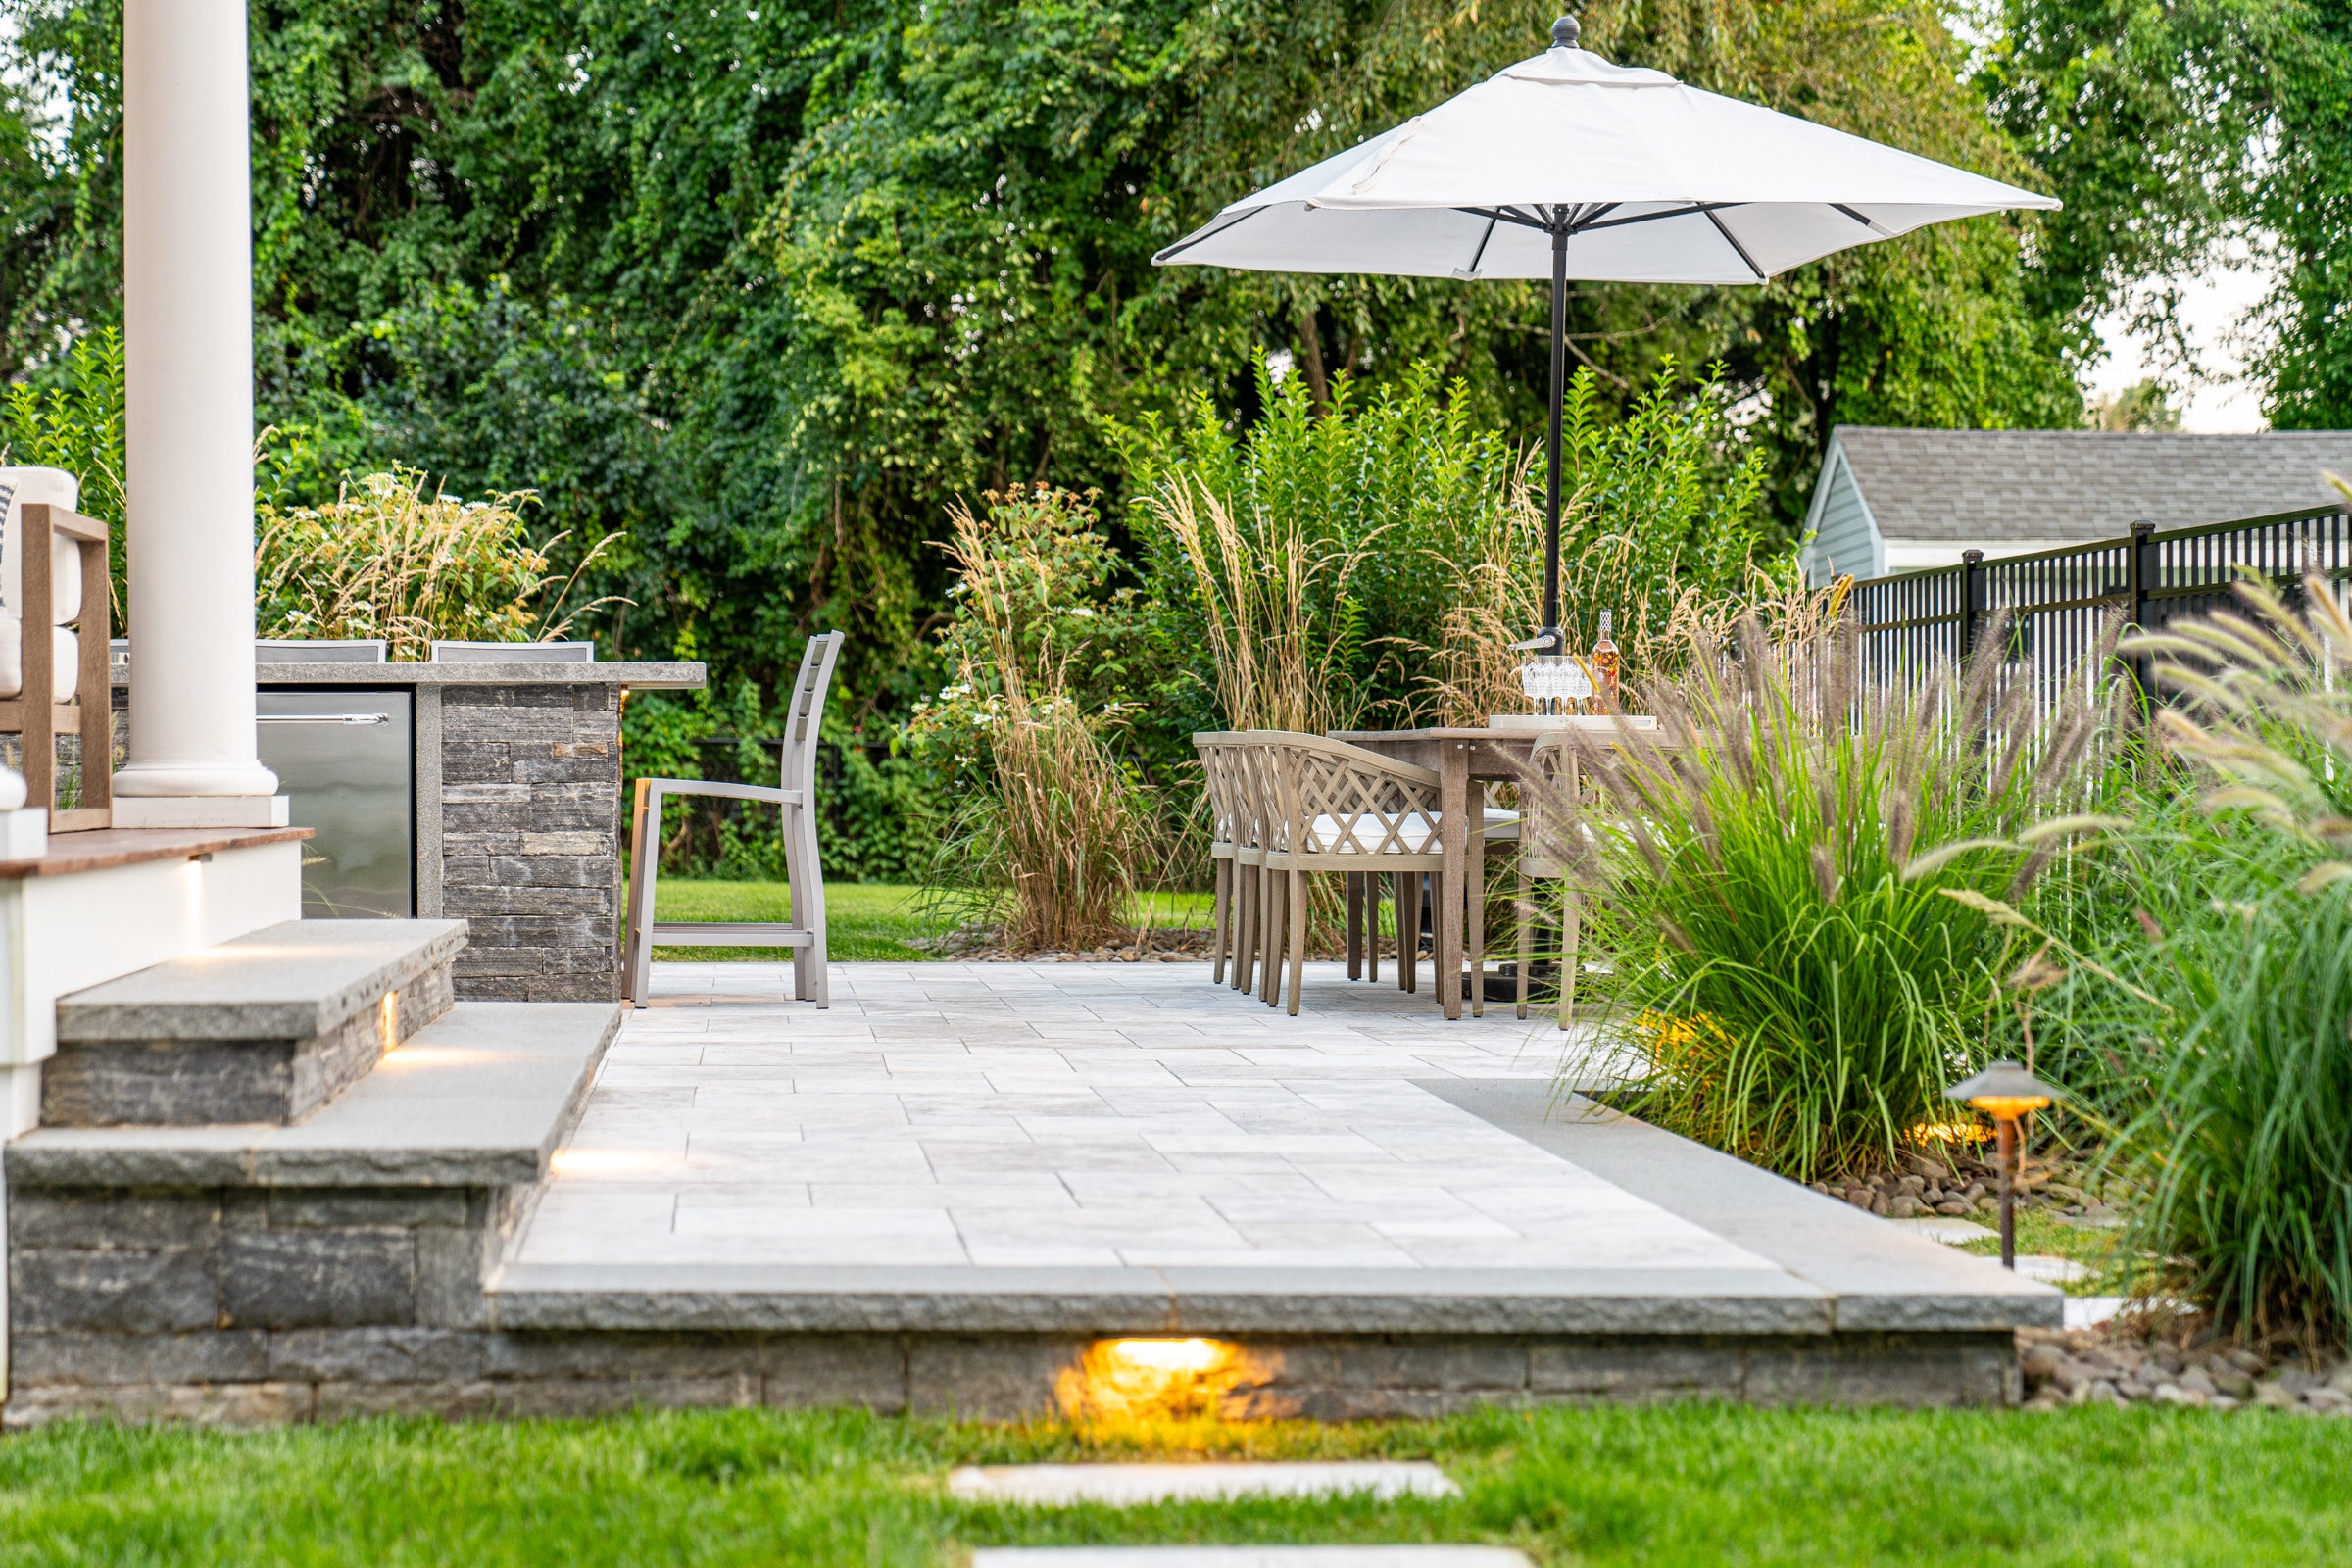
x=1565, y=165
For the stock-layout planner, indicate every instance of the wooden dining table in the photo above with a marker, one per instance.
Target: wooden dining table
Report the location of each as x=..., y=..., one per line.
x=1457, y=756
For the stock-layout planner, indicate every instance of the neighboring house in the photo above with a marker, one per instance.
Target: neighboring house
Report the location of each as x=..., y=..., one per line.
x=1894, y=501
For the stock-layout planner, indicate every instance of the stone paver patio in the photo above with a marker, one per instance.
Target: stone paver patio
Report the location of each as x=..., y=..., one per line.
x=1076, y=1116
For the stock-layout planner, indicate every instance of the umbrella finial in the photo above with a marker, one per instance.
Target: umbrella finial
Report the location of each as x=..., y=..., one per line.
x=1563, y=34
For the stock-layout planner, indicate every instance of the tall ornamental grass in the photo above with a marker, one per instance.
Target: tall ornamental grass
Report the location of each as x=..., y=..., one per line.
x=1789, y=979
x=1369, y=560
x=1048, y=833
x=2235, y=1089
x=386, y=560
x=1307, y=555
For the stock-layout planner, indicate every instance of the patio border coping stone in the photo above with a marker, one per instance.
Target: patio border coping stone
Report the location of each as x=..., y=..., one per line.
x=1155, y=1300
x=1877, y=1276
x=479, y=1099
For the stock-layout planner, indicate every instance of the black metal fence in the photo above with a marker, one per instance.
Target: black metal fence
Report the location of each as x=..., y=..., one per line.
x=2056, y=605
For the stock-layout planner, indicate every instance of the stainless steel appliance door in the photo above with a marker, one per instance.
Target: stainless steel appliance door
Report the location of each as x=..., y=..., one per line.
x=345, y=761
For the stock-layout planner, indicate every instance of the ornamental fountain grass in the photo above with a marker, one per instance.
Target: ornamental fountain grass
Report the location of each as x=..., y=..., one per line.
x=1787, y=979
x=2231, y=1082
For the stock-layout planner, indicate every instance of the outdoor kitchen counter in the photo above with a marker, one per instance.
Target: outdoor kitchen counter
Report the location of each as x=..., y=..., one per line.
x=515, y=803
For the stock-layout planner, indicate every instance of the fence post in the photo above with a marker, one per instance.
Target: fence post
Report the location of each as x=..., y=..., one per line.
x=1972, y=600
x=2139, y=576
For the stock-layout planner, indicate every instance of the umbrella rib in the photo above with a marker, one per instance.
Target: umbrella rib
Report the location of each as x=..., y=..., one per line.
x=1871, y=223
x=1480, y=254
x=1761, y=276
x=1507, y=214
x=1205, y=236
x=1691, y=211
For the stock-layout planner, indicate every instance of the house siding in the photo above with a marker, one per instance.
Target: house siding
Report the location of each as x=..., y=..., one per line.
x=1844, y=538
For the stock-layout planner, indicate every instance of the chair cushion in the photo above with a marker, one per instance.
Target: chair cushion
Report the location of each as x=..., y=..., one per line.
x=17, y=486
x=1416, y=832
x=64, y=653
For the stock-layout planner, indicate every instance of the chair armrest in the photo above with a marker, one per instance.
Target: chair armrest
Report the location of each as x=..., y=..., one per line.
x=73, y=525
x=734, y=792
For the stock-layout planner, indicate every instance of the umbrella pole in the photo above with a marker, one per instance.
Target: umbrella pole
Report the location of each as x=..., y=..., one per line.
x=1551, y=638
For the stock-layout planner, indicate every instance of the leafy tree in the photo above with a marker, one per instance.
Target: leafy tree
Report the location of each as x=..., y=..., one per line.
x=767, y=286
x=2305, y=200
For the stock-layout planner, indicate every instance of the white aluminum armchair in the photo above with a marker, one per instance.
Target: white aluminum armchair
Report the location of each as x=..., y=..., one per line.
x=796, y=794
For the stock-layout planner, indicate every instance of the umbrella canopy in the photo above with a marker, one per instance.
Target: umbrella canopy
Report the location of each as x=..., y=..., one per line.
x=1565, y=165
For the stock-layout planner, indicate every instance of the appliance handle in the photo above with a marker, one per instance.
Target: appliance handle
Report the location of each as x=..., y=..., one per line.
x=324, y=718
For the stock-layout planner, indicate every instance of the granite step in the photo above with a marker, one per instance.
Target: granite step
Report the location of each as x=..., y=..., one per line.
x=267, y=1028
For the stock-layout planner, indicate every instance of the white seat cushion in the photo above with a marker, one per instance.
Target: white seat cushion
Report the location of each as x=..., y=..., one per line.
x=1416, y=832
x=19, y=486
x=64, y=651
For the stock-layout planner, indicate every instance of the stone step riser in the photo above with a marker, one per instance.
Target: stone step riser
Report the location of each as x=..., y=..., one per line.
x=196, y=1083
x=265, y=1029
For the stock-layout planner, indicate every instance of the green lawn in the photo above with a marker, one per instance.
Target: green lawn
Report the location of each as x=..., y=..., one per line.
x=1679, y=1485
x=2092, y=1246
x=867, y=921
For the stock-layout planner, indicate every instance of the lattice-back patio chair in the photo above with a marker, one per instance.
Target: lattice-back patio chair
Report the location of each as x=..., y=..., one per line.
x=796, y=793
x=1232, y=828
x=1255, y=794
x=1339, y=808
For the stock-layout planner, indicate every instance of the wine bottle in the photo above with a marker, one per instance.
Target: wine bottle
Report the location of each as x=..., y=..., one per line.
x=1606, y=664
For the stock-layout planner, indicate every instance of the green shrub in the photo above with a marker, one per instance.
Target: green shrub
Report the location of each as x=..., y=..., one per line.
x=75, y=424
x=1369, y=560
x=1789, y=980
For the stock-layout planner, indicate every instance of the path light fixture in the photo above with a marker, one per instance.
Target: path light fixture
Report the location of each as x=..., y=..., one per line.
x=2005, y=1092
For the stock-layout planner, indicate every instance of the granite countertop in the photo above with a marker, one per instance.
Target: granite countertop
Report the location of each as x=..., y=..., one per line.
x=636, y=674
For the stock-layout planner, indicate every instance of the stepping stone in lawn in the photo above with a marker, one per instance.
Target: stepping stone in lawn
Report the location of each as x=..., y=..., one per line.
x=1249, y=1558
x=1059, y=1485
x=1944, y=1228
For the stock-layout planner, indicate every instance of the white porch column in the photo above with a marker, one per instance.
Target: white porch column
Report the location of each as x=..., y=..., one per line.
x=187, y=264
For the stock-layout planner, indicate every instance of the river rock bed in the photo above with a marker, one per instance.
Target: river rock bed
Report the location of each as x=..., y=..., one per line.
x=1965, y=1187
x=2106, y=1366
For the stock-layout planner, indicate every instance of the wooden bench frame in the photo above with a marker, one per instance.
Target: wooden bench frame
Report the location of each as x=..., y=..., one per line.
x=35, y=713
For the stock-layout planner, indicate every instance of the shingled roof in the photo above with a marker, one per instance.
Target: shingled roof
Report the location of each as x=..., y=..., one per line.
x=1983, y=488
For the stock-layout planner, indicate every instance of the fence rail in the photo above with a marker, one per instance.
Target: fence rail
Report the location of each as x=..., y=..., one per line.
x=2055, y=603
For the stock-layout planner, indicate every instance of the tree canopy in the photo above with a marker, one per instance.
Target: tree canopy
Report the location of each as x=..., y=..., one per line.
x=769, y=285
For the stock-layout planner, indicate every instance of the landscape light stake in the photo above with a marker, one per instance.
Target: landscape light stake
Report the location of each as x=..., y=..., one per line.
x=2005, y=1092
